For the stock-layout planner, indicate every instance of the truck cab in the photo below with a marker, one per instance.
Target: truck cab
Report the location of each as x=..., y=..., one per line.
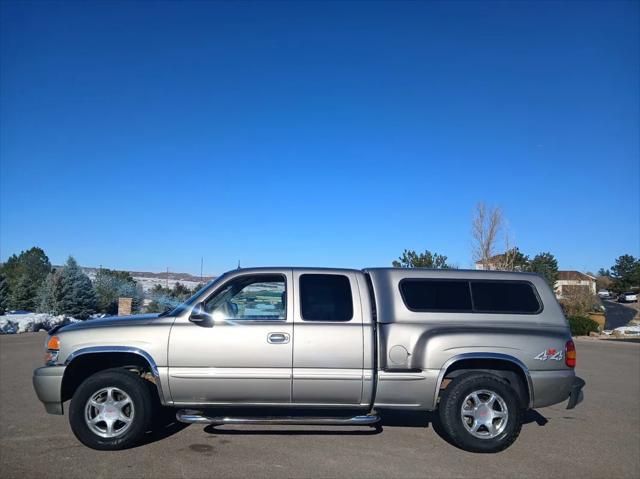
x=276, y=336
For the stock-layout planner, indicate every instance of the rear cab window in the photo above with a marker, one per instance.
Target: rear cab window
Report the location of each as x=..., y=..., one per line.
x=325, y=297
x=472, y=296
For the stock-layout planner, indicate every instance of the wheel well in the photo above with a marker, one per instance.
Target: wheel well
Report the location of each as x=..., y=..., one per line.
x=507, y=370
x=87, y=364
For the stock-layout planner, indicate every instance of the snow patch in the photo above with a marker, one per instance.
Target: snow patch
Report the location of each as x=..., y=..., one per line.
x=31, y=322
x=634, y=330
x=624, y=330
x=149, y=283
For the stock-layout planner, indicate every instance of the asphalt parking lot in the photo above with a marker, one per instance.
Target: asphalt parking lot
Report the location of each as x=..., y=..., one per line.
x=617, y=314
x=600, y=438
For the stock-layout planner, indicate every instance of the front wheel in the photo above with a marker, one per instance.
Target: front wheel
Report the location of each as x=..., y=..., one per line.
x=480, y=413
x=111, y=410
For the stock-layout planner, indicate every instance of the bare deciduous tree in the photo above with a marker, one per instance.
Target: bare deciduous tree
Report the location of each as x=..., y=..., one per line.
x=486, y=227
x=491, y=233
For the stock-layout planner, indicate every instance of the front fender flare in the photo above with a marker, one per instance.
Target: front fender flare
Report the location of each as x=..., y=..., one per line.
x=123, y=349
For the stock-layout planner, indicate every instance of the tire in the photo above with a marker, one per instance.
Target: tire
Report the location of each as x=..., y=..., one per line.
x=490, y=428
x=114, y=396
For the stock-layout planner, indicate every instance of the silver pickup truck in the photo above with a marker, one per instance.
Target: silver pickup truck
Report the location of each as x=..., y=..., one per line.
x=322, y=346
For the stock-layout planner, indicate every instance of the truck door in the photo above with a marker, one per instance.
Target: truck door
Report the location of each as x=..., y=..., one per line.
x=242, y=353
x=328, y=339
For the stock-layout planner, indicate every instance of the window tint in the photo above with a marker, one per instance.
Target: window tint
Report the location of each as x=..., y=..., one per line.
x=325, y=297
x=254, y=297
x=434, y=295
x=504, y=297
x=455, y=296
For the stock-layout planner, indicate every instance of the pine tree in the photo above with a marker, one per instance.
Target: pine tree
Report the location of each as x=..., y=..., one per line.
x=4, y=294
x=23, y=295
x=546, y=265
x=180, y=292
x=161, y=300
x=111, y=285
x=48, y=294
x=626, y=272
x=106, y=287
x=411, y=259
x=9, y=269
x=24, y=275
x=77, y=297
x=138, y=299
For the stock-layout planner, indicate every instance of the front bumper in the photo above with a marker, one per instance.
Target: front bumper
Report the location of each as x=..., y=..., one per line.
x=47, y=382
x=576, y=396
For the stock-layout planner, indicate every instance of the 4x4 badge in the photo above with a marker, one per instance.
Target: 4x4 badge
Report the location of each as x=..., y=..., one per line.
x=550, y=354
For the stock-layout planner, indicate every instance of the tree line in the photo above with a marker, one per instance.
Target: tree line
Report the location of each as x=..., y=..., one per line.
x=545, y=264
x=493, y=249
x=624, y=275
x=490, y=235
x=29, y=282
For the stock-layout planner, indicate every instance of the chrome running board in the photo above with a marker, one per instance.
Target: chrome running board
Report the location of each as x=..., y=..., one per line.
x=191, y=416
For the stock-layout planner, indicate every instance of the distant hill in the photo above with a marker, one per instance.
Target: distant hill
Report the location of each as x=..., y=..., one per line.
x=149, y=279
x=164, y=275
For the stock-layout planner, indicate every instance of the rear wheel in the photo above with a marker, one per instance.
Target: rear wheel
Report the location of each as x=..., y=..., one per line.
x=111, y=410
x=480, y=413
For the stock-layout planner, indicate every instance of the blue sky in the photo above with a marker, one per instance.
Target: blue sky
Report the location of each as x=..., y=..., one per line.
x=141, y=135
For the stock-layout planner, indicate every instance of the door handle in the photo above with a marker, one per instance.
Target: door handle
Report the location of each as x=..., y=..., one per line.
x=277, y=338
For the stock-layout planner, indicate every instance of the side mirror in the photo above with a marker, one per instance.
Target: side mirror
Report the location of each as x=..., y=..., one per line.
x=198, y=314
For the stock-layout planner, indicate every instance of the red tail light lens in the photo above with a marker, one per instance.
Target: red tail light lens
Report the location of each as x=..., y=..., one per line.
x=570, y=354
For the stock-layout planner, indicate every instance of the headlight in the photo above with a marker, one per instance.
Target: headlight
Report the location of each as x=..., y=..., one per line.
x=53, y=349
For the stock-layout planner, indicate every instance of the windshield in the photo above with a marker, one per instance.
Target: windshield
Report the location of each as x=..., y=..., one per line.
x=189, y=302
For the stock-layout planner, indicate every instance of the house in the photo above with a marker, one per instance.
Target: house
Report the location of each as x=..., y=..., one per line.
x=501, y=262
x=493, y=263
x=569, y=282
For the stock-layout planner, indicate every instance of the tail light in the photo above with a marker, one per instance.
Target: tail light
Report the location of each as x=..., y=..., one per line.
x=570, y=354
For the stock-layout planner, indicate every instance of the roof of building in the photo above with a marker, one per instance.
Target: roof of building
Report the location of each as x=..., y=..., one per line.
x=498, y=258
x=574, y=275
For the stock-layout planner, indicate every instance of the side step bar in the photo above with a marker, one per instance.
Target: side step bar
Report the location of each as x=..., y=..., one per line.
x=191, y=416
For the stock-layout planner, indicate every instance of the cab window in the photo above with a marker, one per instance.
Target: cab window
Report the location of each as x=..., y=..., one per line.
x=253, y=297
x=325, y=297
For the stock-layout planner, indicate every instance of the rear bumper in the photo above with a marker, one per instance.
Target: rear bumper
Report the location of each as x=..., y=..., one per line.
x=553, y=387
x=47, y=382
x=576, y=396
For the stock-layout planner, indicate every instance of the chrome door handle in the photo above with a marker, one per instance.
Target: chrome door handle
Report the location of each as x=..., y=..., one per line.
x=277, y=338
